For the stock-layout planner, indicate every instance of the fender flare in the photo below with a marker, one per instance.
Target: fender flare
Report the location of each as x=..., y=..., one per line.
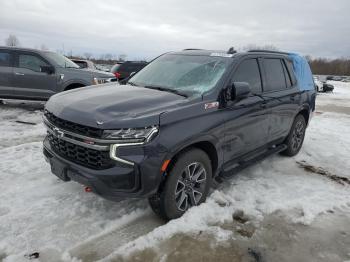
x=71, y=82
x=197, y=140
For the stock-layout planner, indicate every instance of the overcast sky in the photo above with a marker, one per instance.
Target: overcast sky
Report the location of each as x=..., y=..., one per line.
x=147, y=28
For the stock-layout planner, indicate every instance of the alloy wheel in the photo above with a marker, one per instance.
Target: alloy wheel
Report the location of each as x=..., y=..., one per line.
x=190, y=186
x=298, y=135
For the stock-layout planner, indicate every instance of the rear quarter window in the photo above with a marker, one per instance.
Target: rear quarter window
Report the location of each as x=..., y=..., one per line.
x=287, y=75
x=81, y=64
x=115, y=68
x=289, y=65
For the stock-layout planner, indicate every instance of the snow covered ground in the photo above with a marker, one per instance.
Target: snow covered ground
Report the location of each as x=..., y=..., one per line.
x=297, y=209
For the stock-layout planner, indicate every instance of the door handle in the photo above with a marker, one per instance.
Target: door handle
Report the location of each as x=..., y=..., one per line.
x=19, y=74
x=292, y=98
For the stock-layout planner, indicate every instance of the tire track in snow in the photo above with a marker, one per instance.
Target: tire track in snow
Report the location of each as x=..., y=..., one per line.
x=101, y=246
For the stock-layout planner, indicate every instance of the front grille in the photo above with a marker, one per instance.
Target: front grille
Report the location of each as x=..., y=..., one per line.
x=81, y=155
x=73, y=127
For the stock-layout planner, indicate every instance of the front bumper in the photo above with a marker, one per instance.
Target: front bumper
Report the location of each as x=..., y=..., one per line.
x=117, y=182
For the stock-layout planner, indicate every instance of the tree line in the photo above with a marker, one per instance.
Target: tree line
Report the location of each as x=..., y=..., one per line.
x=319, y=66
x=323, y=66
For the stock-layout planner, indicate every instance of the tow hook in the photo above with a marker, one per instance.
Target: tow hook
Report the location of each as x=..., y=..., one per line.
x=88, y=189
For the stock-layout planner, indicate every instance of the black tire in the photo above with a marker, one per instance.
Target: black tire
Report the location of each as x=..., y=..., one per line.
x=169, y=202
x=295, y=139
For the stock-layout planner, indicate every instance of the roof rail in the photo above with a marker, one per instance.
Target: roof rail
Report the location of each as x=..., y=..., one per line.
x=189, y=49
x=267, y=51
x=231, y=50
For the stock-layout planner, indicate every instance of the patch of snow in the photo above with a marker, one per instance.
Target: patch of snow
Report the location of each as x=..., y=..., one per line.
x=40, y=213
x=339, y=97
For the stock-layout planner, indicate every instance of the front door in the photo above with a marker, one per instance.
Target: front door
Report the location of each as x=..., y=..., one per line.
x=28, y=78
x=246, y=128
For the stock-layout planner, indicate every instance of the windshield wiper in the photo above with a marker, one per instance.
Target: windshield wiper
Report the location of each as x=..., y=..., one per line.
x=174, y=91
x=131, y=83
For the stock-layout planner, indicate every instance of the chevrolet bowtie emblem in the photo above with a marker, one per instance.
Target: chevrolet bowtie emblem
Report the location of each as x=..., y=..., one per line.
x=58, y=132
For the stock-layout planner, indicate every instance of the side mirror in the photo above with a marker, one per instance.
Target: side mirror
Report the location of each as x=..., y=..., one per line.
x=47, y=69
x=239, y=90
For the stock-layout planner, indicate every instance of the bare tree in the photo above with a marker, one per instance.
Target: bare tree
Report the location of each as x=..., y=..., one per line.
x=70, y=54
x=87, y=55
x=108, y=56
x=44, y=47
x=12, y=40
x=324, y=66
x=122, y=57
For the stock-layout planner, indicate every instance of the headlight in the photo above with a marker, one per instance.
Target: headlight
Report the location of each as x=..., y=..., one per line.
x=134, y=135
x=97, y=80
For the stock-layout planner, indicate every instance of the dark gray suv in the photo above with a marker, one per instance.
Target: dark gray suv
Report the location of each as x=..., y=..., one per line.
x=185, y=122
x=37, y=75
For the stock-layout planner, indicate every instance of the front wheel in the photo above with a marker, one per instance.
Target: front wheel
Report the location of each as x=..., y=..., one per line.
x=295, y=139
x=187, y=185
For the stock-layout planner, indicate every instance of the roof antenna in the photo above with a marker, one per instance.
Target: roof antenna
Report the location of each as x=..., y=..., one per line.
x=231, y=50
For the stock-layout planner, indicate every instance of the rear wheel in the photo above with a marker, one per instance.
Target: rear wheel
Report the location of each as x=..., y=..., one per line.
x=296, y=136
x=187, y=185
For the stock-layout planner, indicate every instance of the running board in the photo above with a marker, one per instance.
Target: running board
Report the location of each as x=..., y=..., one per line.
x=228, y=173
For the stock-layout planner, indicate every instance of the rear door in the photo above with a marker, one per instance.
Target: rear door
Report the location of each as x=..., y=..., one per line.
x=247, y=127
x=282, y=96
x=28, y=80
x=6, y=73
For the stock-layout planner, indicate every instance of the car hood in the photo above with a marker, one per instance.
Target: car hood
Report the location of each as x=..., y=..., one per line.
x=113, y=106
x=98, y=73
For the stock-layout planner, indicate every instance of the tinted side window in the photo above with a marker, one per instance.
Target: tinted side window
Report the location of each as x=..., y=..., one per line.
x=291, y=71
x=124, y=68
x=287, y=76
x=131, y=67
x=274, y=75
x=31, y=62
x=81, y=64
x=248, y=71
x=115, y=68
x=4, y=58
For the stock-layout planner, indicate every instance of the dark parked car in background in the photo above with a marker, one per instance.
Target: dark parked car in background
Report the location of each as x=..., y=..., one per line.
x=123, y=70
x=327, y=87
x=36, y=75
x=188, y=120
x=323, y=86
x=335, y=78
